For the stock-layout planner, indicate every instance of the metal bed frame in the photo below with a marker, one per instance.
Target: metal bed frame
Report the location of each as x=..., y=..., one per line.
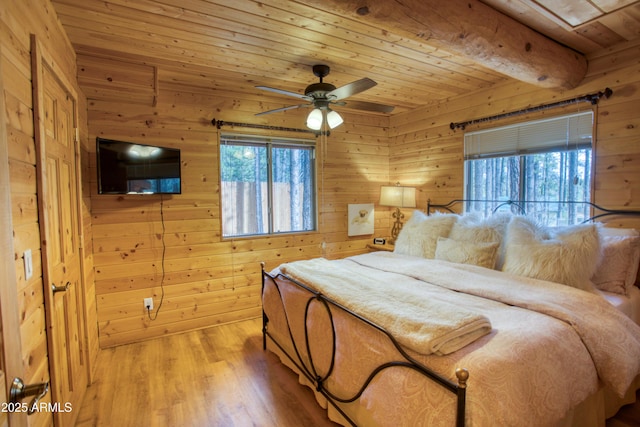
x=310, y=371
x=597, y=211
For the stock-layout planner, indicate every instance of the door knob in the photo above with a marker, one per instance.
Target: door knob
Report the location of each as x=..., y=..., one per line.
x=64, y=288
x=19, y=391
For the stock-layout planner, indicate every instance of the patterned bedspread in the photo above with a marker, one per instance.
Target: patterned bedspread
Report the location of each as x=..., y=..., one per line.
x=550, y=347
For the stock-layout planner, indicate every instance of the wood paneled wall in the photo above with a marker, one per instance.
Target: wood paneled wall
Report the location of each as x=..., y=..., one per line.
x=19, y=19
x=425, y=152
x=205, y=280
x=209, y=280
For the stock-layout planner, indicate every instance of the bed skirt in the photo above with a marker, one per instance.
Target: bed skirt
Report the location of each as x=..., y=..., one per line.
x=593, y=412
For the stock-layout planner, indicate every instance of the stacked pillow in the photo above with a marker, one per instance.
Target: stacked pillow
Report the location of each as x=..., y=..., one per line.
x=618, y=268
x=450, y=237
x=567, y=255
x=419, y=235
x=487, y=233
x=582, y=256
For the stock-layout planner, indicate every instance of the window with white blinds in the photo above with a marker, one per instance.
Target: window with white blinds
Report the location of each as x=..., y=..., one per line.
x=568, y=132
x=547, y=162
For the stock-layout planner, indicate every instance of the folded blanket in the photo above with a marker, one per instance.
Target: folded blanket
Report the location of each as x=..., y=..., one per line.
x=420, y=318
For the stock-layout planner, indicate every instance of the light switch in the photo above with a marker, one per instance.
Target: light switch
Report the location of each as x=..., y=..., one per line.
x=28, y=264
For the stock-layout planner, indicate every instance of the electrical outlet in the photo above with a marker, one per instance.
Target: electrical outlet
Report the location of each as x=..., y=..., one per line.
x=148, y=303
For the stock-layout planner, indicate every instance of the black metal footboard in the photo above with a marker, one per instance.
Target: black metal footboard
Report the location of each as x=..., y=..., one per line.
x=311, y=371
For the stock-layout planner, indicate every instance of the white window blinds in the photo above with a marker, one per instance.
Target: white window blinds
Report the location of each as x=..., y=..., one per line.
x=568, y=132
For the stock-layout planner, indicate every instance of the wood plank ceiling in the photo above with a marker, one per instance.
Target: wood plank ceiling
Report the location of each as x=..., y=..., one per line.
x=234, y=45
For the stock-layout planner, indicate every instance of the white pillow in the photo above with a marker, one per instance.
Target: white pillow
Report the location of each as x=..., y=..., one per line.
x=569, y=255
x=419, y=236
x=618, y=267
x=464, y=252
x=472, y=228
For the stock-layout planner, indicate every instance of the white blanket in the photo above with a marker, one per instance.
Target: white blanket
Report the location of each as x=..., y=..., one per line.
x=612, y=339
x=420, y=318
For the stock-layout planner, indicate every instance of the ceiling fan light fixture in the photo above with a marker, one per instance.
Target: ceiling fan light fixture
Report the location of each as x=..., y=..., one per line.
x=314, y=119
x=334, y=119
x=321, y=95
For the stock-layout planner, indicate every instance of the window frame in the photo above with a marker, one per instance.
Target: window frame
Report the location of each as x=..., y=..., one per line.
x=270, y=143
x=526, y=155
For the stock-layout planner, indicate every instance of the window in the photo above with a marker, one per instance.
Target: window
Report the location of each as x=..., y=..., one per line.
x=541, y=161
x=268, y=185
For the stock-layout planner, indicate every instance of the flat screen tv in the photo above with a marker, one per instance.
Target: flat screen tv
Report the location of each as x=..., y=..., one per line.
x=129, y=168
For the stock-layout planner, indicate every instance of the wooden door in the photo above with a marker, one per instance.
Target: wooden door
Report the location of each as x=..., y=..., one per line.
x=10, y=345
x=55, y=117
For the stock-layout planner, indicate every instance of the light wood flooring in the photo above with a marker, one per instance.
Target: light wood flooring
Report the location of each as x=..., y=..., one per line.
x=218, y=376
x=627, y=416
x=212, y=377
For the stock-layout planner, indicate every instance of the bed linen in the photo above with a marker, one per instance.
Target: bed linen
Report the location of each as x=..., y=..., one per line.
x=520, y=374
x=628, y=304
x=448, y=327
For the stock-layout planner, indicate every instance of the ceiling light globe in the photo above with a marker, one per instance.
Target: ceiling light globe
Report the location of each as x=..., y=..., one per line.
x=334, y=119
x=314, y=119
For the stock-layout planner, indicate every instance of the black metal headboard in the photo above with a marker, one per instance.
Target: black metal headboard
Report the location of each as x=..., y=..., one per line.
x=520, y=207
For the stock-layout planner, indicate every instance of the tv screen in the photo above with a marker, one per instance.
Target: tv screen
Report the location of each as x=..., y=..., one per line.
x=129, y=168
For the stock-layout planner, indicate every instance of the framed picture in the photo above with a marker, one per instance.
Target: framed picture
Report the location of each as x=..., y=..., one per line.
x=360, y=219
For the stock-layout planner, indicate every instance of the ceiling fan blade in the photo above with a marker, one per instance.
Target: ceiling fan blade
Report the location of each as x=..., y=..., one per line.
x=367, y=106
x=285, y=92
x=351, y=89
x=277, y=110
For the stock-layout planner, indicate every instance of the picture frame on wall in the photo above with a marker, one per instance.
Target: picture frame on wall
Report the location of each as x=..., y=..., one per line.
x=361, y=219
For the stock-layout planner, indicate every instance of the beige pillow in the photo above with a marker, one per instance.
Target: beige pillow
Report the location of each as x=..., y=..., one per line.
x=618, y=267
x=419, y=236
x=568, y=256
x=464, y=252
x=471, y=227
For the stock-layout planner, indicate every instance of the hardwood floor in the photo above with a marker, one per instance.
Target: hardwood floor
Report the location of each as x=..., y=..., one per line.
x=627, y=416
x=213, y=377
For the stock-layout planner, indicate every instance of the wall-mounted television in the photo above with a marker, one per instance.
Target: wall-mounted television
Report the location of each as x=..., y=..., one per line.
x=130, y=168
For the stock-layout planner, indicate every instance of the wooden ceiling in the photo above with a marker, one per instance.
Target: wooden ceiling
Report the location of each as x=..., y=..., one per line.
x=232, y=46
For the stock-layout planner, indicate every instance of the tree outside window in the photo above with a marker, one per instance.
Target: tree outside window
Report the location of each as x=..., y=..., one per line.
x=267, y=186
x=546, y=163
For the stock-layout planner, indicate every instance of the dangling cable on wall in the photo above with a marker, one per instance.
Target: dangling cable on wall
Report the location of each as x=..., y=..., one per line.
x=162, y=268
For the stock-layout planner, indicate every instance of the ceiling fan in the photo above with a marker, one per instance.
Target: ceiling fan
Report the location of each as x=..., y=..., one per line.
x=322, y=96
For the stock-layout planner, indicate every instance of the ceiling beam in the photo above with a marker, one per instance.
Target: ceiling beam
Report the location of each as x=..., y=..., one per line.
x=475, y=30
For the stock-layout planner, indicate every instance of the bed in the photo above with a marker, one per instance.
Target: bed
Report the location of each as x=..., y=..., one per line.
x=469, y=322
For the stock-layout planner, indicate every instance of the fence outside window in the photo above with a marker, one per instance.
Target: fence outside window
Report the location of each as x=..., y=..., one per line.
x=267, y=185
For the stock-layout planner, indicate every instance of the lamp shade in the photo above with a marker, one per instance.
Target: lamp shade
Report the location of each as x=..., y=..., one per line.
x=334, y=119
x=314, y=119
x=397, y=196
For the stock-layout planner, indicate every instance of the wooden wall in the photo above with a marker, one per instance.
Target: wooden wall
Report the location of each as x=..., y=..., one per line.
x=207, y=280
x=18, y=19
x=427, y=153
